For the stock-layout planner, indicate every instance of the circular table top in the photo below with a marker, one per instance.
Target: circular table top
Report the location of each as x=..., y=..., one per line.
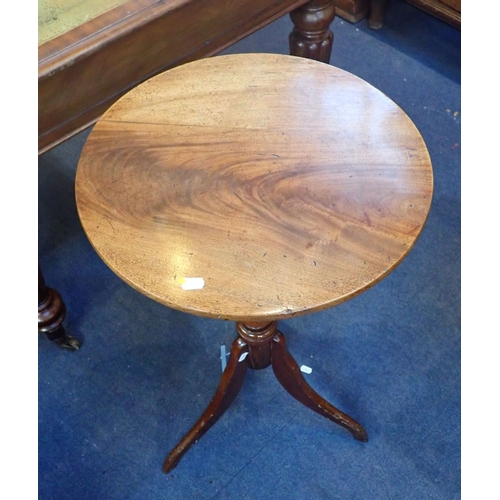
x=252, y=187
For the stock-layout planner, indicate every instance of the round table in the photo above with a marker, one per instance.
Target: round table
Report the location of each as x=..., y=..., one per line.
x=254, y=188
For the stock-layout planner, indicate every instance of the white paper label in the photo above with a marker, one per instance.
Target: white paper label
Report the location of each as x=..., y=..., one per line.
x=192, y=283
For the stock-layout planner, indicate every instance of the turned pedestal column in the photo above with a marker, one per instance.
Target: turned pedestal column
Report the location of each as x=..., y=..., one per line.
x=311, y=36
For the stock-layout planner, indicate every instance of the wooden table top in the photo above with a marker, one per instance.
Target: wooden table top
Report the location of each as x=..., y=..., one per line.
x=254, y=186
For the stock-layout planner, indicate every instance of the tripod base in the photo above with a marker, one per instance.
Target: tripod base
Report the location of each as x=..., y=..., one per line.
x=257, y=346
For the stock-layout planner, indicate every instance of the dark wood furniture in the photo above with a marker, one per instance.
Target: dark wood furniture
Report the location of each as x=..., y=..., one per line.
x=92, y=52
x=448, y=11
x=353, y=11
x=51, y=314
x=81, y=72
x=254, y=188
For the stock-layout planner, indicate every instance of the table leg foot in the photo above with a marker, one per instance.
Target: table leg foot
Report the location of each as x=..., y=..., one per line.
x=288, y=373
x=51, y=313
x=64, y=340
x=229, y=387
x=376, y=17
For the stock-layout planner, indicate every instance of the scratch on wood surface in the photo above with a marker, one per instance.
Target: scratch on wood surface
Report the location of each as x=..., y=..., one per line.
x=109, y=222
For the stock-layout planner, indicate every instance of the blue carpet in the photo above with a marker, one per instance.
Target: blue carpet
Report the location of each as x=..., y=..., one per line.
x=110, y=412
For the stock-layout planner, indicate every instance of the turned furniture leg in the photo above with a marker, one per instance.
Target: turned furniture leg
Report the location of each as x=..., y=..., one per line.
x=229, y=387
x=258, y=346
x=51, y=313
x=376, y=16
x=311, y=36
x=288, y=373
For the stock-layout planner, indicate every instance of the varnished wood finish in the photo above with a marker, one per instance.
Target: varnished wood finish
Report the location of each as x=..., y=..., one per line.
x=258, y=337
x=448, y=11
x=84, y=70
x=352, y=10
x=257, y=346
x=288, y=185
x=311, y=36
x=51, y=314
x=229, y=386
x=288, y=373
x=51, y=308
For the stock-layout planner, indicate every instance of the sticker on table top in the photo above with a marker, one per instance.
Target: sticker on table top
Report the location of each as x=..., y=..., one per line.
x=305, y=369
x=192, y=283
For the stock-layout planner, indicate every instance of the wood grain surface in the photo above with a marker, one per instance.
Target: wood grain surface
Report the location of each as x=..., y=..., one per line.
x=286, y=184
